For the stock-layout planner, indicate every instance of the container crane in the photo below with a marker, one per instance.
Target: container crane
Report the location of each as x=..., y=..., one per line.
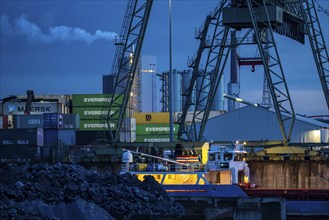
x=318, y=45
x=125, y=64
x=261, y=18
x=212, y=50
x=273, y=69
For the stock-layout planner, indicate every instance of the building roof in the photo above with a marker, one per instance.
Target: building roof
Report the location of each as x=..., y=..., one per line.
x=298, y=117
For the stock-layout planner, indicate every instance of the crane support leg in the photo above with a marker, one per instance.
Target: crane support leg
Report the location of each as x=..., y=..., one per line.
x=273, y=68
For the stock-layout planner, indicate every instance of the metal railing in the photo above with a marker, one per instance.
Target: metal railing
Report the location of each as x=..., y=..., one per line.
x=153, y=167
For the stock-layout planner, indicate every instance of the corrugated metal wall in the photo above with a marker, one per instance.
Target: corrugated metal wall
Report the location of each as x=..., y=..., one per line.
x=258, y=124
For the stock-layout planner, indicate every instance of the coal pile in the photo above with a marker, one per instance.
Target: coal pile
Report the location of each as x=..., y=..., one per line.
x=61, y=191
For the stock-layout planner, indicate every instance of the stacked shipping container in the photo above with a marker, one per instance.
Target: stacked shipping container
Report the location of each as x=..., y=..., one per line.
x=59, y=129
x=93, y=112
x=153, y=127
x=87, y=125
x=37, y=136
x=49, y=126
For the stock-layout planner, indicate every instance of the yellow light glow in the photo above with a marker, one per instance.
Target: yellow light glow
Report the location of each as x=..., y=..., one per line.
x=225, y=177
x=204, y=152
x=246, y=179
x=148, y=71
x=180, y=179
x=174, y=179
x=131, y=59
x=313, y=136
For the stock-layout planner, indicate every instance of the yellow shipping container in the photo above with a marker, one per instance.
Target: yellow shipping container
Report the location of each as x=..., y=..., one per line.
x=152, y=117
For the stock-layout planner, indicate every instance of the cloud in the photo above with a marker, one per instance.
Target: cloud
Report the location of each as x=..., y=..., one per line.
x=33, y=33
x=5, y=27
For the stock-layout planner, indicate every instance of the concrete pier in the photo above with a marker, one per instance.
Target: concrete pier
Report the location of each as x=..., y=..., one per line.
x=290, y=174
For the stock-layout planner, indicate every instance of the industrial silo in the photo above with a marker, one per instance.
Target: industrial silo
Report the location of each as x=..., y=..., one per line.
x=186, y=78
x=177, y=91
x=218, y=103
x=149, y=84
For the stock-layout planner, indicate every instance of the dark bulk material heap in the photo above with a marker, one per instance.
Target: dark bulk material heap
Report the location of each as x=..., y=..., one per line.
x=61, y=191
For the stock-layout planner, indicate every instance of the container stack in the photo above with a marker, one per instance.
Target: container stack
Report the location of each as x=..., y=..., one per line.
x=35, y=134
x=55, y=128
x=93, y=112
x=34, y=137
x=59, y=129
x=153, y=127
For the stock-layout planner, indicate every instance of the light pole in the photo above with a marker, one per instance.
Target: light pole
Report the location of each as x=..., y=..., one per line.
x=170, y=78
x=152, y=65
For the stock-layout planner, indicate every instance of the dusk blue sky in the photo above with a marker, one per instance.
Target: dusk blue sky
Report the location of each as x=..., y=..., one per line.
x=37, y=52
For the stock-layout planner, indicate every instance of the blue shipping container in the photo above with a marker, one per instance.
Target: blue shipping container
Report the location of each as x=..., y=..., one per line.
x=28, y=121
x=54, y=137
x=53, y=120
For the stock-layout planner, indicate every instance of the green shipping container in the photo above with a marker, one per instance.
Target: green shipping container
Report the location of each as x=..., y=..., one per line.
x=97, y=113
x=154, y=138
x=155, y=129
x=101, y=100
x=95, y=125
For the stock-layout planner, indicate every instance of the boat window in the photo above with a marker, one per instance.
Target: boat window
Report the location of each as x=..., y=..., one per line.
x=239, y=157
x=211, y=157
x=228, y=156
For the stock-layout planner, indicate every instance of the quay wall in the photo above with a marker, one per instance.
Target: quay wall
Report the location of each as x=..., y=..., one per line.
x=290, y=174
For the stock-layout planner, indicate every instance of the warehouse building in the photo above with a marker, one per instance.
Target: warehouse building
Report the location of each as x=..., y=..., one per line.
x=252, y=123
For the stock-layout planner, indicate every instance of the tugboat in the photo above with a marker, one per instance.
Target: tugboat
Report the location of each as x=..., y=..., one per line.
x=217, y=165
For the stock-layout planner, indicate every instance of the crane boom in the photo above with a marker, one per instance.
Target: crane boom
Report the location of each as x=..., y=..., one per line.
x=129, y=45
x=209, y=76
x=318, y=45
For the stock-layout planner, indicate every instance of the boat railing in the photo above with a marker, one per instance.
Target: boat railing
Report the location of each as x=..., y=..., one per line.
x=132, y=167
